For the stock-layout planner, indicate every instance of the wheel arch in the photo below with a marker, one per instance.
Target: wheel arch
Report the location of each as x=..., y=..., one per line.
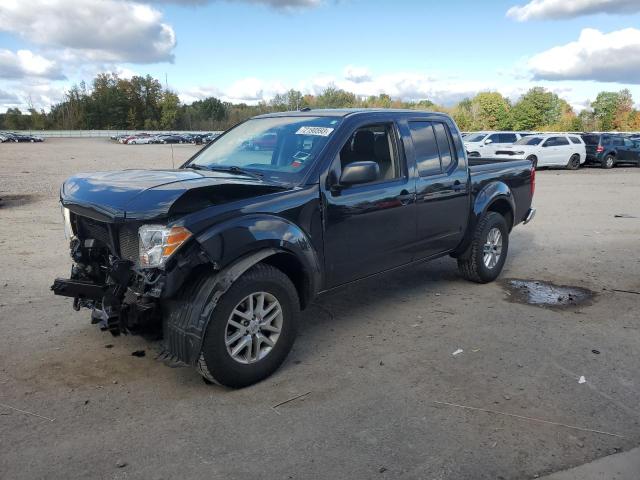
x=494, y=197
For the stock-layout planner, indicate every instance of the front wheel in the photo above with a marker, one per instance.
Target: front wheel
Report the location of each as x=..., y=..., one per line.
x=251, y=329
x=574, y=162
x=485, y=257
x=534, y=160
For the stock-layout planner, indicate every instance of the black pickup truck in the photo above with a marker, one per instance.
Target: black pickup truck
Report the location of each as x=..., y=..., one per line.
x=225, y=251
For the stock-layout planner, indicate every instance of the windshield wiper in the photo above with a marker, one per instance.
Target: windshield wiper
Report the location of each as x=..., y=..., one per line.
x=233, y=169
x=195, y=166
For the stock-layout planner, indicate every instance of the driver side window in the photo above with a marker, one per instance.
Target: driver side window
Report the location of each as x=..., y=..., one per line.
x=371, y=143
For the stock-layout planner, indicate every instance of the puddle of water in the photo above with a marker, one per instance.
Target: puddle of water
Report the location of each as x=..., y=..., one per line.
x=546, y=294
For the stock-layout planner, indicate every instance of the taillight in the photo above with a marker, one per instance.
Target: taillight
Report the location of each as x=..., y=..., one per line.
x=533, y=180
x=600, y=149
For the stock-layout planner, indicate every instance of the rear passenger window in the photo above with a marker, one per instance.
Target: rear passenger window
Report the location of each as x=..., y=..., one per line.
x=425, y=147
x=557, y=141
x=444, y=145
x=507, y=138
x=575, y=140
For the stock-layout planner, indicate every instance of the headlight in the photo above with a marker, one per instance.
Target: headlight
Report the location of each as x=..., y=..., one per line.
x=158, y=243
x=66, y=219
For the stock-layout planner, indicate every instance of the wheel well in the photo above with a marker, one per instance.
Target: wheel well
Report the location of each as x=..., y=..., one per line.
x=292, y=268
x=503, y=208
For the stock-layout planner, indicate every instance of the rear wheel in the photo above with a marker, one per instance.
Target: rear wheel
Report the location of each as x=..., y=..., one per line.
x=485, y=257
x=608, y=161
x=251, y=329
x=574, y=162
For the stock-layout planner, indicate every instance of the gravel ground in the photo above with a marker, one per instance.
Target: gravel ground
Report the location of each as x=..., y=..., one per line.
x=374, y=359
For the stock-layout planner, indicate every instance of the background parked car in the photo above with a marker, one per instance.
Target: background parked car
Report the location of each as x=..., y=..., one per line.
x=485, y=144
x=173, y=139
x=548, y=150
x=18, y=137
x=141, y=140
x=608, y=150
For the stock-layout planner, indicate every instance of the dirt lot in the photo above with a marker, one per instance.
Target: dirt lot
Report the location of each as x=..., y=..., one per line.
x=374, y=358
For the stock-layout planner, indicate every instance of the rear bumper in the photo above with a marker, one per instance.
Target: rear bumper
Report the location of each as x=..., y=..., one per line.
x=529, y=216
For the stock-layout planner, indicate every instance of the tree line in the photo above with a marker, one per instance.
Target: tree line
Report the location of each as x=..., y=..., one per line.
x=141, y=103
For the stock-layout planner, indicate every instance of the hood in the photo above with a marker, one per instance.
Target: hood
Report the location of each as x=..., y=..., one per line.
x=147, y=194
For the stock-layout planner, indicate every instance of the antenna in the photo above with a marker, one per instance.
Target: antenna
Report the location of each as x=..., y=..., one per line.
x=173, y=165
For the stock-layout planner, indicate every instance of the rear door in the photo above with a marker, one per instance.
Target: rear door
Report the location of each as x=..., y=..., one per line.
x=442, y=201
x=626, y=151
x=505, y=140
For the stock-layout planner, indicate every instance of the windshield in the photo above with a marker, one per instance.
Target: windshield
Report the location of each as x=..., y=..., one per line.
x=475, y=137
x=279, y=148
x=529, y=141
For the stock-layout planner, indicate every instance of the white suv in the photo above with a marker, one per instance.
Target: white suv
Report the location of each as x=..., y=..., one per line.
x=548, y=150
x=485, y=144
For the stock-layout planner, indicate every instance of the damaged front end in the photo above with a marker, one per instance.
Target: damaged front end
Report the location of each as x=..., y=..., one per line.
x=123, y=270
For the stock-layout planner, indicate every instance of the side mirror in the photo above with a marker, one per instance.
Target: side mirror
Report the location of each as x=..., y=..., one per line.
x=488, y=141
x=359, y=172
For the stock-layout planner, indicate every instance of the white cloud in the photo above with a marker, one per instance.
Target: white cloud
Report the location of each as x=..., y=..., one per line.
x=403, y=85
x=277, y=4
x=8, y=99
x=25, y=63
x=555, y=9
x=357, y=74
x=604, y=57
x=98, y=31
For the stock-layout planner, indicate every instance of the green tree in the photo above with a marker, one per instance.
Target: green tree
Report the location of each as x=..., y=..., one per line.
x=604, y=109
x=169, y=106
x=333, y=97
x=490, y=111
x=13, y=119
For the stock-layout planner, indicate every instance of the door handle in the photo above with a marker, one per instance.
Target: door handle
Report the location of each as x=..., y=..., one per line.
x=457, y=186
x=405, y=197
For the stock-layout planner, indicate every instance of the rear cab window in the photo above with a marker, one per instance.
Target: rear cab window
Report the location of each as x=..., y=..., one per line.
x=433, y=147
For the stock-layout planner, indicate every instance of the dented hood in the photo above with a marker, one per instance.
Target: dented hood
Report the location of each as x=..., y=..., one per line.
x=148, y=194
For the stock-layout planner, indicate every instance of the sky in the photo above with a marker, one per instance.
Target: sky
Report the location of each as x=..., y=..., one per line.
x=250, y=50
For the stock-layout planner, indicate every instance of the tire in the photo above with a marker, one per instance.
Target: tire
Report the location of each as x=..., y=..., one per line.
x=216, y=362
x=574, y=162
x=471, y=263
x=609, y=161
x=534, y=160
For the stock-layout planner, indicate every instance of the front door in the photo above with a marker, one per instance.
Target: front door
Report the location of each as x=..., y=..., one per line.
x=371, y=227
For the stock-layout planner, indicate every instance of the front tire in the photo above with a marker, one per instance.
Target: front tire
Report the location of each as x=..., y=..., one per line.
x=485, y=257
x=574, y=162
x=534, y=160
x=252, y=328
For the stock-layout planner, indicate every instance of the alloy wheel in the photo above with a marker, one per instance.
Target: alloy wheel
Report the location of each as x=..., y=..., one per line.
x=253, y=328
x=492, y=249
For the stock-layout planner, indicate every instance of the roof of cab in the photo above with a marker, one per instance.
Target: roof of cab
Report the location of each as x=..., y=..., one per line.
x=343, y=112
